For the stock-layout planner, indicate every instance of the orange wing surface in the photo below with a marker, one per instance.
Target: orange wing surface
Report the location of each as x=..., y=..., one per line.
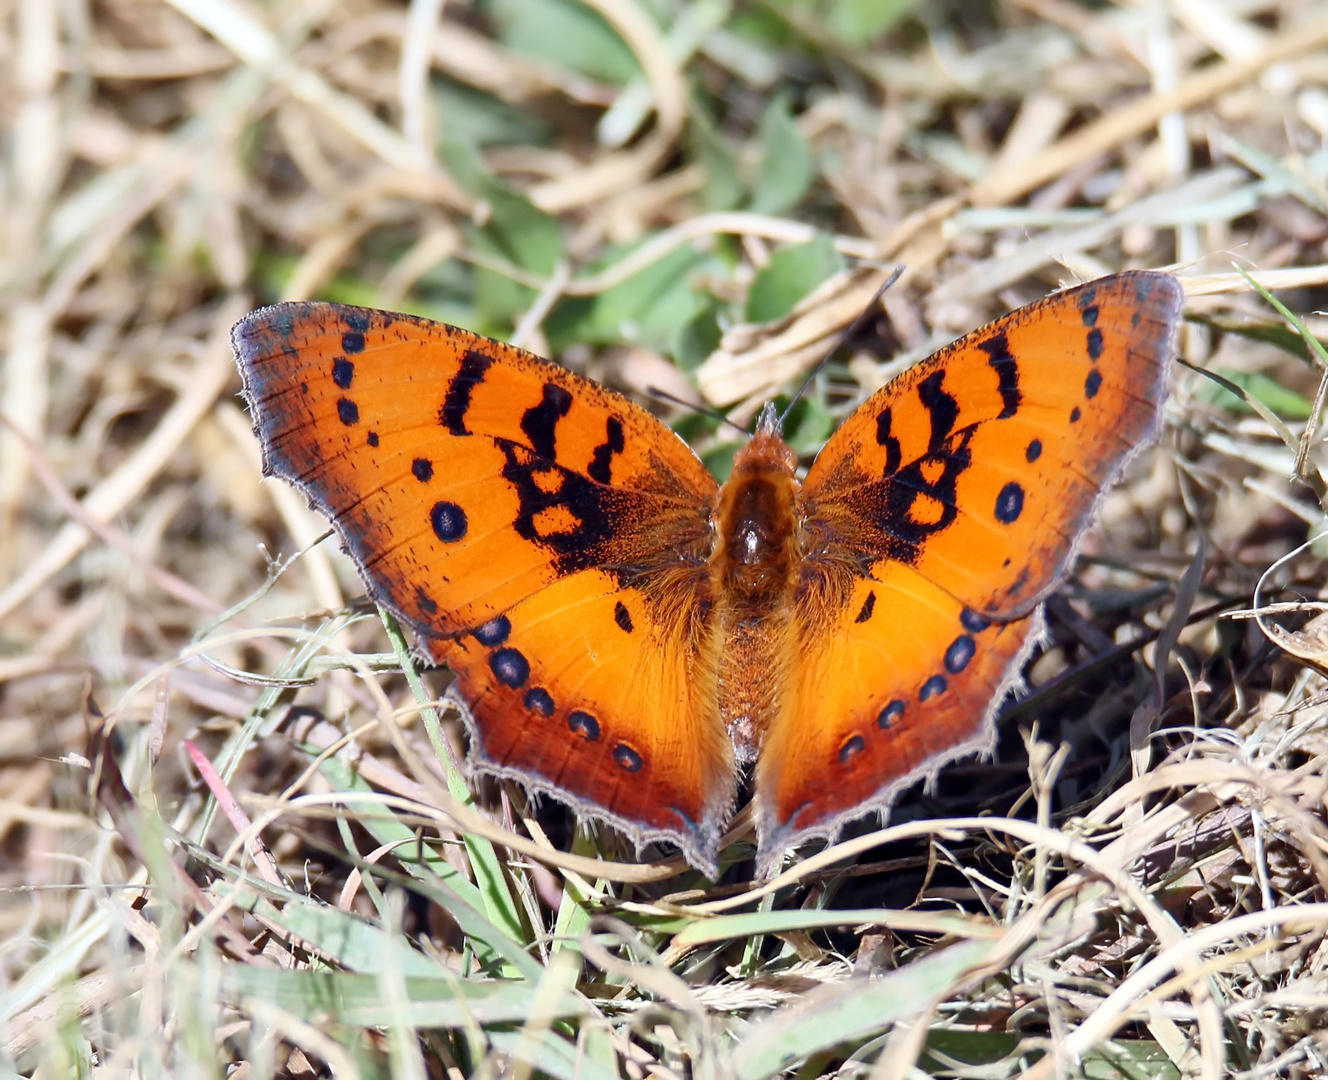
x=938, y=516
x=540, y=534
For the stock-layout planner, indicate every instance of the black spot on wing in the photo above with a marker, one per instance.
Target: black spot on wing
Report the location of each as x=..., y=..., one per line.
x=622, y=617
x=1094, y=344
x=932, y=477
x=422, y=469
x=997, y=348
x=372, y=438
x=347, y=411
x=540, y=422
x=539, y=700
x=494, y=632
x=973, y=622
x=426, y=602
x=1033, y=451
x=942, y=408
x=893, y=453
x=851, y=749
x=588, y=504
x=448, y=521
x=1075, y=414
x=357, y=320
x=456, y=402
x=1092, y=384
x=600, y=462
x=890, y=714
x=868, y=606
x=352, y=342
x=583, y=724
x=627, y=759
x=959, y=653
x=932, y=687
x=343, y=372
x=510, y=666
x=1009, y=503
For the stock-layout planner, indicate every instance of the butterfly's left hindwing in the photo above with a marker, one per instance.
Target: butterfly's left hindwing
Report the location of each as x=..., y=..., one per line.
x=885, y=688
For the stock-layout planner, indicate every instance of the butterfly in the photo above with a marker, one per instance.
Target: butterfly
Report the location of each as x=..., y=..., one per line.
x=629, y=635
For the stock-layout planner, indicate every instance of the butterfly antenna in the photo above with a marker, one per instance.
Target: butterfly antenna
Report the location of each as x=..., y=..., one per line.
x=853, y=328
x=704, y=410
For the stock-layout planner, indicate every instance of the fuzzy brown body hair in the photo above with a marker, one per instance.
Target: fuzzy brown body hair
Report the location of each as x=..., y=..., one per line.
x=754, y=573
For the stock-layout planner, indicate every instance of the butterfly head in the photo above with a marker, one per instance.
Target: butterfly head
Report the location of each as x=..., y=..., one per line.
x=769, y=422
x=766, y=458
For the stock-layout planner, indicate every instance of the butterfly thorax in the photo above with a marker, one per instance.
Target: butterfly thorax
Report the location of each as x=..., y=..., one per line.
x=754, y=571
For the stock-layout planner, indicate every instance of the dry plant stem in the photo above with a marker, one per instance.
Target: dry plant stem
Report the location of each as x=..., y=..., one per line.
x=731, y=223
x=307, y=1036
x=118, y=490
x=446, y=809
x=457, y=817
x=1024, y=931
x=125, y=813
x=1185, y=954
x=263, y=860
x=108, y=534
x=89, y=996
x=629, y=167
x=1140, y=116
x=257, y=47
x=413, y=76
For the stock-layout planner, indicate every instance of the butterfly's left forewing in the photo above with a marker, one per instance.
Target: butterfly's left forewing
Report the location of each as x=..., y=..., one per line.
x=544, y=537
x=981, y=467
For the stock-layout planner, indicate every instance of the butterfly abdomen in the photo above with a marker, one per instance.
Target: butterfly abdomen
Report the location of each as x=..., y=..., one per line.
x=754, y=569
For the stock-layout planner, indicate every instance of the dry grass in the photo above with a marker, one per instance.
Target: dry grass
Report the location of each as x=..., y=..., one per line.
x=1135, y=887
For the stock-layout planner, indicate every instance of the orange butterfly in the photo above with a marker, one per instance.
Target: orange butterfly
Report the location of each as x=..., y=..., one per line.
x=628, y=634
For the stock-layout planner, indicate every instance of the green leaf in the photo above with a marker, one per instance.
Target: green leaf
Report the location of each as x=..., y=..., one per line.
x=474, y=118
x=515, y=231
x=1288, y=404
x=445, y=1001
x=793, y=272
x=1121, y=1059
x=723, y=188
x=350, y=941
x=565, y=33
x=853, y=24
x=858, y=23
x=557, y=1057
x=786, y=167
x=719, y=459
x=698, y=338
x=809, y=425
x=824, y=1019
x=649, y=308
x=505, y=915
x=1277, y=334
